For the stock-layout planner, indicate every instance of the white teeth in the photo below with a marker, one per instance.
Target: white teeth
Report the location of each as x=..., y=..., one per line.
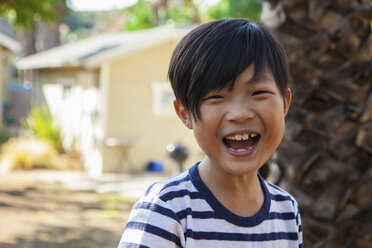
x=240, y=150
x=241, y=136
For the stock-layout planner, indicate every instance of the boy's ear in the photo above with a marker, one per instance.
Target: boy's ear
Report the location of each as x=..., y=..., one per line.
x=287, y=100
x=182, y=114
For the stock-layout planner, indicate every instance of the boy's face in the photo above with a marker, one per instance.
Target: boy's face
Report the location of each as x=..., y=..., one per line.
x=240, y=127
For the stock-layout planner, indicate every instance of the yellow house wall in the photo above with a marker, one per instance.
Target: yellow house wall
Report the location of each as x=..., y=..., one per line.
x=51, y=76
x=130, y=112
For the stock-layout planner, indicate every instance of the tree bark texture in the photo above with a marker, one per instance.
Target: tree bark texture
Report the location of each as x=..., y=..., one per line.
x=325, y=158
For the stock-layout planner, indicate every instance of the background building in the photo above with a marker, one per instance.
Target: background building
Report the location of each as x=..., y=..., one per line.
x=111, y=97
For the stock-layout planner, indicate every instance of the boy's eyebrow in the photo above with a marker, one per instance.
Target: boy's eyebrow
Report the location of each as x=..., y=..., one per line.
x=259, y=78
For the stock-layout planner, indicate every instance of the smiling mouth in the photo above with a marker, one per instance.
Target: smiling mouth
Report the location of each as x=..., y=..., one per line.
x=241, y=142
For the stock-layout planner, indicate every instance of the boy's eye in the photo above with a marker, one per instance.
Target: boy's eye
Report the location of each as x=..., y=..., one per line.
x=214, y=97
x=259, y=92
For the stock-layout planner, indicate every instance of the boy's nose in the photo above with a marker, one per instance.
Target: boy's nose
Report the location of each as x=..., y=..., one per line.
x=240, y=113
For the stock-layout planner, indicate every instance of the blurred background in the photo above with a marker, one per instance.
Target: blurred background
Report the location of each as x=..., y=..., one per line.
x=87, y=120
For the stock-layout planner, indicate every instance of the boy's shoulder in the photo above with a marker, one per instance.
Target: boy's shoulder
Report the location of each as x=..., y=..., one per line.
x=169, y=188
x=279, y=195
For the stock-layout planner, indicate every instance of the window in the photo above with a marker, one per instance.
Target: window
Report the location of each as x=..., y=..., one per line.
x=162, y=99
x=67, y=83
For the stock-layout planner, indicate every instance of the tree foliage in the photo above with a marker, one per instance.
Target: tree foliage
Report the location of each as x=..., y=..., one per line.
x=188, y=12
x=231, y=8
x=140, y=16
x=146, y=13
x=77, y=20
x=26, y=12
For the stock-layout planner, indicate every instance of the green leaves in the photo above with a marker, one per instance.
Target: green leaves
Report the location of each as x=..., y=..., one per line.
x=26, y=12
x=250, y=9
x=41, y=124
x=140, y=16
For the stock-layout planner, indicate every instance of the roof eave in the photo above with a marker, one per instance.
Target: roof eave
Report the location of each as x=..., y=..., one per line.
x=31, y=65
x=125, y=51
x=9, y=43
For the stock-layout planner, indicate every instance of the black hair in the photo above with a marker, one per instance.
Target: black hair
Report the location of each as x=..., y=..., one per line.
x=212, y=55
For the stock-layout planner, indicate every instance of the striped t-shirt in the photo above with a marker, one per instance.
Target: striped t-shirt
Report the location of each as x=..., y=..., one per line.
x=182, y=212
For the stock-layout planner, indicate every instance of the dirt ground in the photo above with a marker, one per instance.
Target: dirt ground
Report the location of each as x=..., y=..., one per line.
x=35, y=214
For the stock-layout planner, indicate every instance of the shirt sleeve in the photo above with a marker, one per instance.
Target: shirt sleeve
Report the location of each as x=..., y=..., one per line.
x=299, y=228
x=152, y=224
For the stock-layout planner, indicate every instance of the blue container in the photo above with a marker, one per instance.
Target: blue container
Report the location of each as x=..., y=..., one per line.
x=155, y=166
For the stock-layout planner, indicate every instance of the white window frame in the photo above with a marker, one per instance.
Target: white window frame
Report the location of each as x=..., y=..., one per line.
x=161, y=106
x=67, y=83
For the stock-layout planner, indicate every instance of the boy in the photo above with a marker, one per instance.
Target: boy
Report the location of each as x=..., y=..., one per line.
x=230, y=79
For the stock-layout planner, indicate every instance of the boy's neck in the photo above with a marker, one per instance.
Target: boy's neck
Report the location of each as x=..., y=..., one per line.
x=241, y=194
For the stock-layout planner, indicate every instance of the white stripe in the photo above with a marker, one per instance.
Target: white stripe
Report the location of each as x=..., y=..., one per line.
x=143, y=238
x=216, y=225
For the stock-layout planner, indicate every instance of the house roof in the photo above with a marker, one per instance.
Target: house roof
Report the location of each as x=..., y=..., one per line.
x=7, y=36
x=91, y=52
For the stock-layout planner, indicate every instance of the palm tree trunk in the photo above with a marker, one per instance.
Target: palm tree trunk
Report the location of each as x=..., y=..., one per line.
x=326, y=155
x=47, y=35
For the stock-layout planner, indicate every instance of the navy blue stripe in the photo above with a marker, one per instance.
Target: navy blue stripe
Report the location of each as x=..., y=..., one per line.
x=281, y=216
x=300, y=228
x=156, y=208
x=155, y=230
x=212, y=215
x=131, y=245
x=221, y=210
x=183, y=213
x=179, y=194
x=177, y=182
x=241, y=236
x=300, y=246
x=281, y=198
x=205, y=215
x=172, y=183
x=197, y=214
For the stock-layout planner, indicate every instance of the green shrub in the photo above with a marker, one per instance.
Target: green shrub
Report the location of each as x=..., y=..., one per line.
x=41, y=124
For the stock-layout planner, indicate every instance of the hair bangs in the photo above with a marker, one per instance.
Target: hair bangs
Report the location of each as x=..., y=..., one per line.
x=213, y=55
x=232, y=53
